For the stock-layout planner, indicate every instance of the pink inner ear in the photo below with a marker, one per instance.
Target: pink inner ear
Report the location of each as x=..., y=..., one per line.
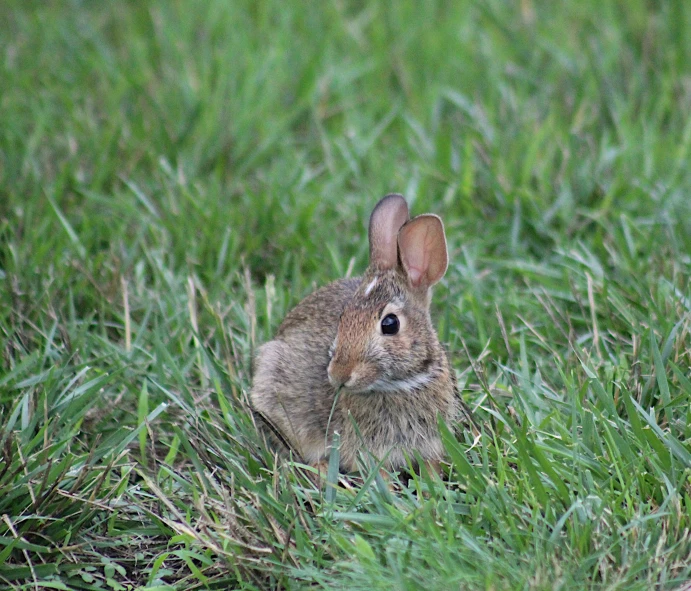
x=417, y=259
x=415, y=275
x=422, y=249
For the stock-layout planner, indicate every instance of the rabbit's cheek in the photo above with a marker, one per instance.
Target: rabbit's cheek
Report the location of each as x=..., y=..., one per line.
x=362, y=377
x=395, y=347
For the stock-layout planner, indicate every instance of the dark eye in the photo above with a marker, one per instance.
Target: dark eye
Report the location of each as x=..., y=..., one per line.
x=390, y=324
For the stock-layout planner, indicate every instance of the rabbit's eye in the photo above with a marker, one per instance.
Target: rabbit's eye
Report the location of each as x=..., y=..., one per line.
x=390, y=324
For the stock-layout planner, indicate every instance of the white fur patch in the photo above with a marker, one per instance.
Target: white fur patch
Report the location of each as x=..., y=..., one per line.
x=371, y=285
x=407, y=386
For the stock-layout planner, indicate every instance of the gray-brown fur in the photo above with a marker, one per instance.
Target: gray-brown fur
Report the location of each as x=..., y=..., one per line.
x=393, y=386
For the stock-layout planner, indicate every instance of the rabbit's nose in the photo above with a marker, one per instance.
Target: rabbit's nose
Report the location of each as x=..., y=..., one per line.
x=339, y=375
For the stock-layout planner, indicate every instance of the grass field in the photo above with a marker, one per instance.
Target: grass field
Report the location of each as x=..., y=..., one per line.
x=175, y=175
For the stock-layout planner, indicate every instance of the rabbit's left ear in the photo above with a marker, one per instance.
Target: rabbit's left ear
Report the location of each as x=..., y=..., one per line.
x=422, y=249
x=387, y=218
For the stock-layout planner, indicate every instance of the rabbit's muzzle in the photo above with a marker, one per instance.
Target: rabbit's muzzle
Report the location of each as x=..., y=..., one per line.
x=355, y=376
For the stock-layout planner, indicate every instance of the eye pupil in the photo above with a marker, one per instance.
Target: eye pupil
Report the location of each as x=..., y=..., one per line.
x=390, y=324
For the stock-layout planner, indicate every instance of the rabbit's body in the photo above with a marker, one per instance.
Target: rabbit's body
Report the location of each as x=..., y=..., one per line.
x=291, y=385
x=370, y=340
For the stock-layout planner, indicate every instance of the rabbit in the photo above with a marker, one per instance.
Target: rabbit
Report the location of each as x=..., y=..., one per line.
x=360, y=356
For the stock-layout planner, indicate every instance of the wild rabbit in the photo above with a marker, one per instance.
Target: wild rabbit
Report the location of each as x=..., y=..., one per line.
x=360, y=356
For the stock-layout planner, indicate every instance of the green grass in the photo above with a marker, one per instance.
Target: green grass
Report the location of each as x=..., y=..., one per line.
x=174, y=176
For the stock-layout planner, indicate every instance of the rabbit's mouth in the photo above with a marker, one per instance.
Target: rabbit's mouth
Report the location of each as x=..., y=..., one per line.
x=356, y=379
x=359, y=384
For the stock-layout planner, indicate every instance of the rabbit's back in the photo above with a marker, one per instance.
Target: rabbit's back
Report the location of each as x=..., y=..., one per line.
x=291, y=386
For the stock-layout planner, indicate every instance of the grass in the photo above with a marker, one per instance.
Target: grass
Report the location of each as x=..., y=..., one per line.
x=174, y=176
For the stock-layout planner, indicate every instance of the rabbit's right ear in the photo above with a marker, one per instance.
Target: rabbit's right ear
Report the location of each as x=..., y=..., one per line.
x=386, y=220
x=422, y=246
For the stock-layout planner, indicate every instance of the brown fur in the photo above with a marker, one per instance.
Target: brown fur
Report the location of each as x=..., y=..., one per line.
x=394, y=386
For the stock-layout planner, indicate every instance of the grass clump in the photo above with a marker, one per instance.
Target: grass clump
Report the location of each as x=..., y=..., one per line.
x=174, y=176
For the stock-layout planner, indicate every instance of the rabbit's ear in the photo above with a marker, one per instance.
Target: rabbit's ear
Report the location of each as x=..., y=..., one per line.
x=422, y=248
x=386, y=220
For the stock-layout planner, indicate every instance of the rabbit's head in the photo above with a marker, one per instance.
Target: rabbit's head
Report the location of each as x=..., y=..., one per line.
x=385, y=340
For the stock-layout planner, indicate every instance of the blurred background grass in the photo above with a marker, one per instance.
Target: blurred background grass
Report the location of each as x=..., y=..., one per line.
x=175, y=175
